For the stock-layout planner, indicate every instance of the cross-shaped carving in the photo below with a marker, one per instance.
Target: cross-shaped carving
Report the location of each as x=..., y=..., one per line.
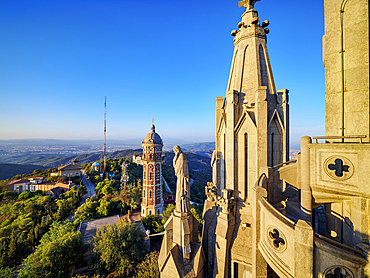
x=276, y=239
x=338, y=167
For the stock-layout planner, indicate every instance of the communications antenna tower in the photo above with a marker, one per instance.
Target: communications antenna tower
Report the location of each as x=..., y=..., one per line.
x=105, y=132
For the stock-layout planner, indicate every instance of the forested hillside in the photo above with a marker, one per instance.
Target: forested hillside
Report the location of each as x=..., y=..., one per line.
x=200, y=172
x=205, y=149
x=8, y=170
x=199, y=167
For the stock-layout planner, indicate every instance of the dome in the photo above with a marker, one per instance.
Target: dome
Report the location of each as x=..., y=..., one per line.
x=152, y=137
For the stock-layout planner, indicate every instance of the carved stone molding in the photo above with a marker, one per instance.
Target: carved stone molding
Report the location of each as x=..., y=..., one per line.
x=211, y=191
x=226, y=202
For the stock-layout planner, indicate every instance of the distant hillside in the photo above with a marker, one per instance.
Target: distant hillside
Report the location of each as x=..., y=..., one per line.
x=200, y=172
x=204, y=149
x=198, y=147
x=8, y=170
x=196, y=162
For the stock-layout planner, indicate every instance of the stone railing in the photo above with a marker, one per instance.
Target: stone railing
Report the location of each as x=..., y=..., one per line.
x=276, y=239
x=340, y=170
x=287, y=246
x=341, y=138
x=332, y=258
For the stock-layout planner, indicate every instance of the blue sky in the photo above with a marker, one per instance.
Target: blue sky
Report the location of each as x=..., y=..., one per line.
x=163, y=59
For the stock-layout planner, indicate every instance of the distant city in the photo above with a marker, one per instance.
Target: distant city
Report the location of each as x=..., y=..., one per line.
x=59, y=149
x=22, y=150
x=10, y=149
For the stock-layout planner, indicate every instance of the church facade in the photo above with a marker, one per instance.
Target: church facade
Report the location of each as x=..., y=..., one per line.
x=266, y=216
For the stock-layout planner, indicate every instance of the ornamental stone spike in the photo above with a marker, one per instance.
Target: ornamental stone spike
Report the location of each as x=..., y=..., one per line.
x=248, y=4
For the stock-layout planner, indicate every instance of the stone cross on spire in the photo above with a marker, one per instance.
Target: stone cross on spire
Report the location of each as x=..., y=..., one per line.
x=249, y=4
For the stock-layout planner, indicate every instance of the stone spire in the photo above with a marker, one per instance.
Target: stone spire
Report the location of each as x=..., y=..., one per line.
x=251, y=64
x=252, y=130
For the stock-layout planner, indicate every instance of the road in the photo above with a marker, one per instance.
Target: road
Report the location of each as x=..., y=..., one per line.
x=90, y=192
x=89, y=185
x=168, y=189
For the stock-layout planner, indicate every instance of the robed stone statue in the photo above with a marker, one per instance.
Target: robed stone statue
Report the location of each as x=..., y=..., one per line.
x=180, y=163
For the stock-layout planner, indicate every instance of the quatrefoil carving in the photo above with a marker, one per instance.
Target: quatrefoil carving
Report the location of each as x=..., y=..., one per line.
x=276, y=239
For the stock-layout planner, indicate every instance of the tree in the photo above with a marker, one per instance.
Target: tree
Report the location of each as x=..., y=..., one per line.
x=86, y=212
x=6, y=272
x=25, y=195
x=83, y=190
x=131, y=196
x=149, y=267
x=124, y=195
x=104, y=209
x=167, y=213
x=4, y=252
x=3, y=184
x=135, y=196
x=59, y=249
x=118, y=246
x=8, y=195
x=64, y=209
x=195, y=210
x=36, y=171
x=13, y=250
x=107, y=189
x=151, y=222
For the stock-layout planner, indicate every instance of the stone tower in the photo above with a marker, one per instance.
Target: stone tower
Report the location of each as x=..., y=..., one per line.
x=346, y=61
x=252, y=127
x=152, y=201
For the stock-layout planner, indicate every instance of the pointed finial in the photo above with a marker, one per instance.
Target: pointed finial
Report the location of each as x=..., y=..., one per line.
x=152, y=120
x=249, y=4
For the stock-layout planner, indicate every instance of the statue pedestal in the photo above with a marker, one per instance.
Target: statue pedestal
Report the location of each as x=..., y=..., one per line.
x=180, y=249
x=181, y=255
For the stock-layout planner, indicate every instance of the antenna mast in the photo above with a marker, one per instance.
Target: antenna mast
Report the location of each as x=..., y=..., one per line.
x=105, y=132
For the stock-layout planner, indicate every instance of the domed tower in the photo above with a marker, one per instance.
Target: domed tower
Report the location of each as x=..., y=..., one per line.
x=152, y=201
